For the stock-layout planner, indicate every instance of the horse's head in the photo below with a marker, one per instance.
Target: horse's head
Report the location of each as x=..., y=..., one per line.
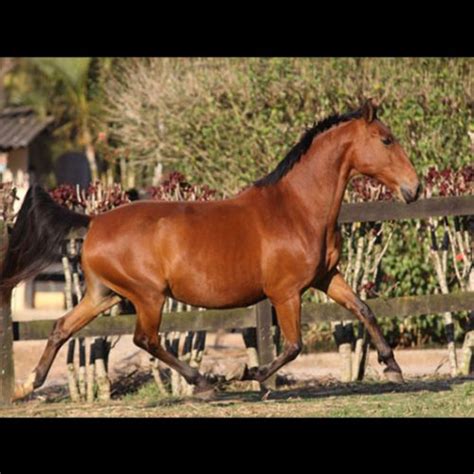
x=376, y=153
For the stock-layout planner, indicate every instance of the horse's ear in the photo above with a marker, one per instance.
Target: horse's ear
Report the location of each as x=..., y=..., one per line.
x=369, y=110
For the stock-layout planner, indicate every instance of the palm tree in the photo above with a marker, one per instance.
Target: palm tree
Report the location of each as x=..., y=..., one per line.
x=71, y=76
x=6, y=65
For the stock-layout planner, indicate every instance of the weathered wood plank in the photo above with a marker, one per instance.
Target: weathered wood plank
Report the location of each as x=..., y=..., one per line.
x=264, y=321
x=392, y=307
x=210, y=320
x=245, y=317
x=7, y=372
x=396, y=210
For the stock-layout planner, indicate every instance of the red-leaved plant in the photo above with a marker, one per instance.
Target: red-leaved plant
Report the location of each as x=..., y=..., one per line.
x=449, y=182
x=446, y=182
x=176, y=188
x=94, y=200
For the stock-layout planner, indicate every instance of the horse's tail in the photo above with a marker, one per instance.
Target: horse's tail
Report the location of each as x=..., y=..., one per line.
x=36, y=238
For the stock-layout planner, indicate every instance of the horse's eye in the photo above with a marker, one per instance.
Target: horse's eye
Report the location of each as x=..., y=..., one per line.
x=387, y=140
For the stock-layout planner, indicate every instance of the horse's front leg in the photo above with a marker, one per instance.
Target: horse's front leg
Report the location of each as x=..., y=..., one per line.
x=338, y=290
x=288, y=315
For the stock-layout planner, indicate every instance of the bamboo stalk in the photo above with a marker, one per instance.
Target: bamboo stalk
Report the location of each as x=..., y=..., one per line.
x=71, y=373
x=82, y=369
x=187, y=357
x=155, y=370
x=358, y=354
x=454, y=252
x=89, y=378
x=443, y=284
x=197, y=352
x=103, y=383
x=360, y=347
x=90, y=371
x=67, y=283
x=468, y=345
x=173, y=345
x=154, y=363
x=187, y=389
x=345, y=351
x=250, y=340
x=358, y=261
x=350, y=255
x=467, y=353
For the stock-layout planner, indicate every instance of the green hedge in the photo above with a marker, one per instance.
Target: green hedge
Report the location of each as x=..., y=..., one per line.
x=226, y=122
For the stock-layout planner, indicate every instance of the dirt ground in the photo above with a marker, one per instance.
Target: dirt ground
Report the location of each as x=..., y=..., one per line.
x=307, y=387
x=126, y=358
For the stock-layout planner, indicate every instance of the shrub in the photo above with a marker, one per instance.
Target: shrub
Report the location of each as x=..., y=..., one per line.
x=226, y=122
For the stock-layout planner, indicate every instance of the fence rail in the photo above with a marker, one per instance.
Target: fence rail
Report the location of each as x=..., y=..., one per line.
x=393, y=210
x=212, y=320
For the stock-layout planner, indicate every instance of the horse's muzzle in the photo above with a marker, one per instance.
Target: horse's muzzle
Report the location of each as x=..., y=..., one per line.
x=410, y=195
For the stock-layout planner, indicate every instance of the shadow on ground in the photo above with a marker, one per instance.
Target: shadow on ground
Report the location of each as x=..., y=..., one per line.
x=325, y=389
x=288, y=389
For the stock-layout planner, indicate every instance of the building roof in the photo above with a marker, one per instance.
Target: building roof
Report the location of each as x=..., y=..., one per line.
x=19, y=126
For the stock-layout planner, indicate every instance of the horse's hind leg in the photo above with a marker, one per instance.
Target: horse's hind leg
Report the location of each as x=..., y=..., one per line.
x=147, y=337
x=98, y=298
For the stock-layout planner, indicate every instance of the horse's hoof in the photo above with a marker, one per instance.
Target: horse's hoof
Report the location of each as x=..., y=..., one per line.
x=395, y=377
x=22, y=390
x=206, y=394
x=236, y=373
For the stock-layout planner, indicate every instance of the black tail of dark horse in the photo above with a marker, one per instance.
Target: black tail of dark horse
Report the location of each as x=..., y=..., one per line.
x=36, y=238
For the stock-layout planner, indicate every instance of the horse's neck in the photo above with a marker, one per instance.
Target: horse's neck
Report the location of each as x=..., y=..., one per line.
x=319, y=181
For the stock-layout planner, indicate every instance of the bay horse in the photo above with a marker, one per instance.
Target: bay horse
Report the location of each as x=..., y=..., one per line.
x=275, y=239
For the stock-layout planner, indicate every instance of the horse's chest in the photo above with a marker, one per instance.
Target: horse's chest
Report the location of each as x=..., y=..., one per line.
x=332, y=254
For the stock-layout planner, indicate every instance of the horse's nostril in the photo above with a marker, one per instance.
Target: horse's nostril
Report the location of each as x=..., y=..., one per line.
x=419, y=189
x=407, y=196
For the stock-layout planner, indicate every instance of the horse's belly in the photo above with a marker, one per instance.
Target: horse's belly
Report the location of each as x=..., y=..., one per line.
x=223, y=284
x=206, y=294
x=211, y=264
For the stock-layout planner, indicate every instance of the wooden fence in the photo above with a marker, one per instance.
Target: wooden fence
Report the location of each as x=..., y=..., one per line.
x=260, y=316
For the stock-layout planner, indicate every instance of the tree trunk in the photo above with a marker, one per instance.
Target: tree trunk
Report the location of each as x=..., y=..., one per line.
x=90, y=154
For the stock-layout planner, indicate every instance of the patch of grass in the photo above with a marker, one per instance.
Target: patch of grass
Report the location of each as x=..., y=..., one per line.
x=148, y=391
x=438, y=397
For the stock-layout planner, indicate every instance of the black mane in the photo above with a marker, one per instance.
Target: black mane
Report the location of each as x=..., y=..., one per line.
x=303, y=145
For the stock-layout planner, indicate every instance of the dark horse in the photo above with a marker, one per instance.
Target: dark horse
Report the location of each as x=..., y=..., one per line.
x=275, y=239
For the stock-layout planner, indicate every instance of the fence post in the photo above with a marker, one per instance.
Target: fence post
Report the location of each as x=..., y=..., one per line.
x=343, y=333
x=264, y=316
x=7, y=373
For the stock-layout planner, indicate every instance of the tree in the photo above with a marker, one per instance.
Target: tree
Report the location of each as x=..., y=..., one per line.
x=66, y=88
x=6, y=65
x=227, y=121
x=72, y=75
